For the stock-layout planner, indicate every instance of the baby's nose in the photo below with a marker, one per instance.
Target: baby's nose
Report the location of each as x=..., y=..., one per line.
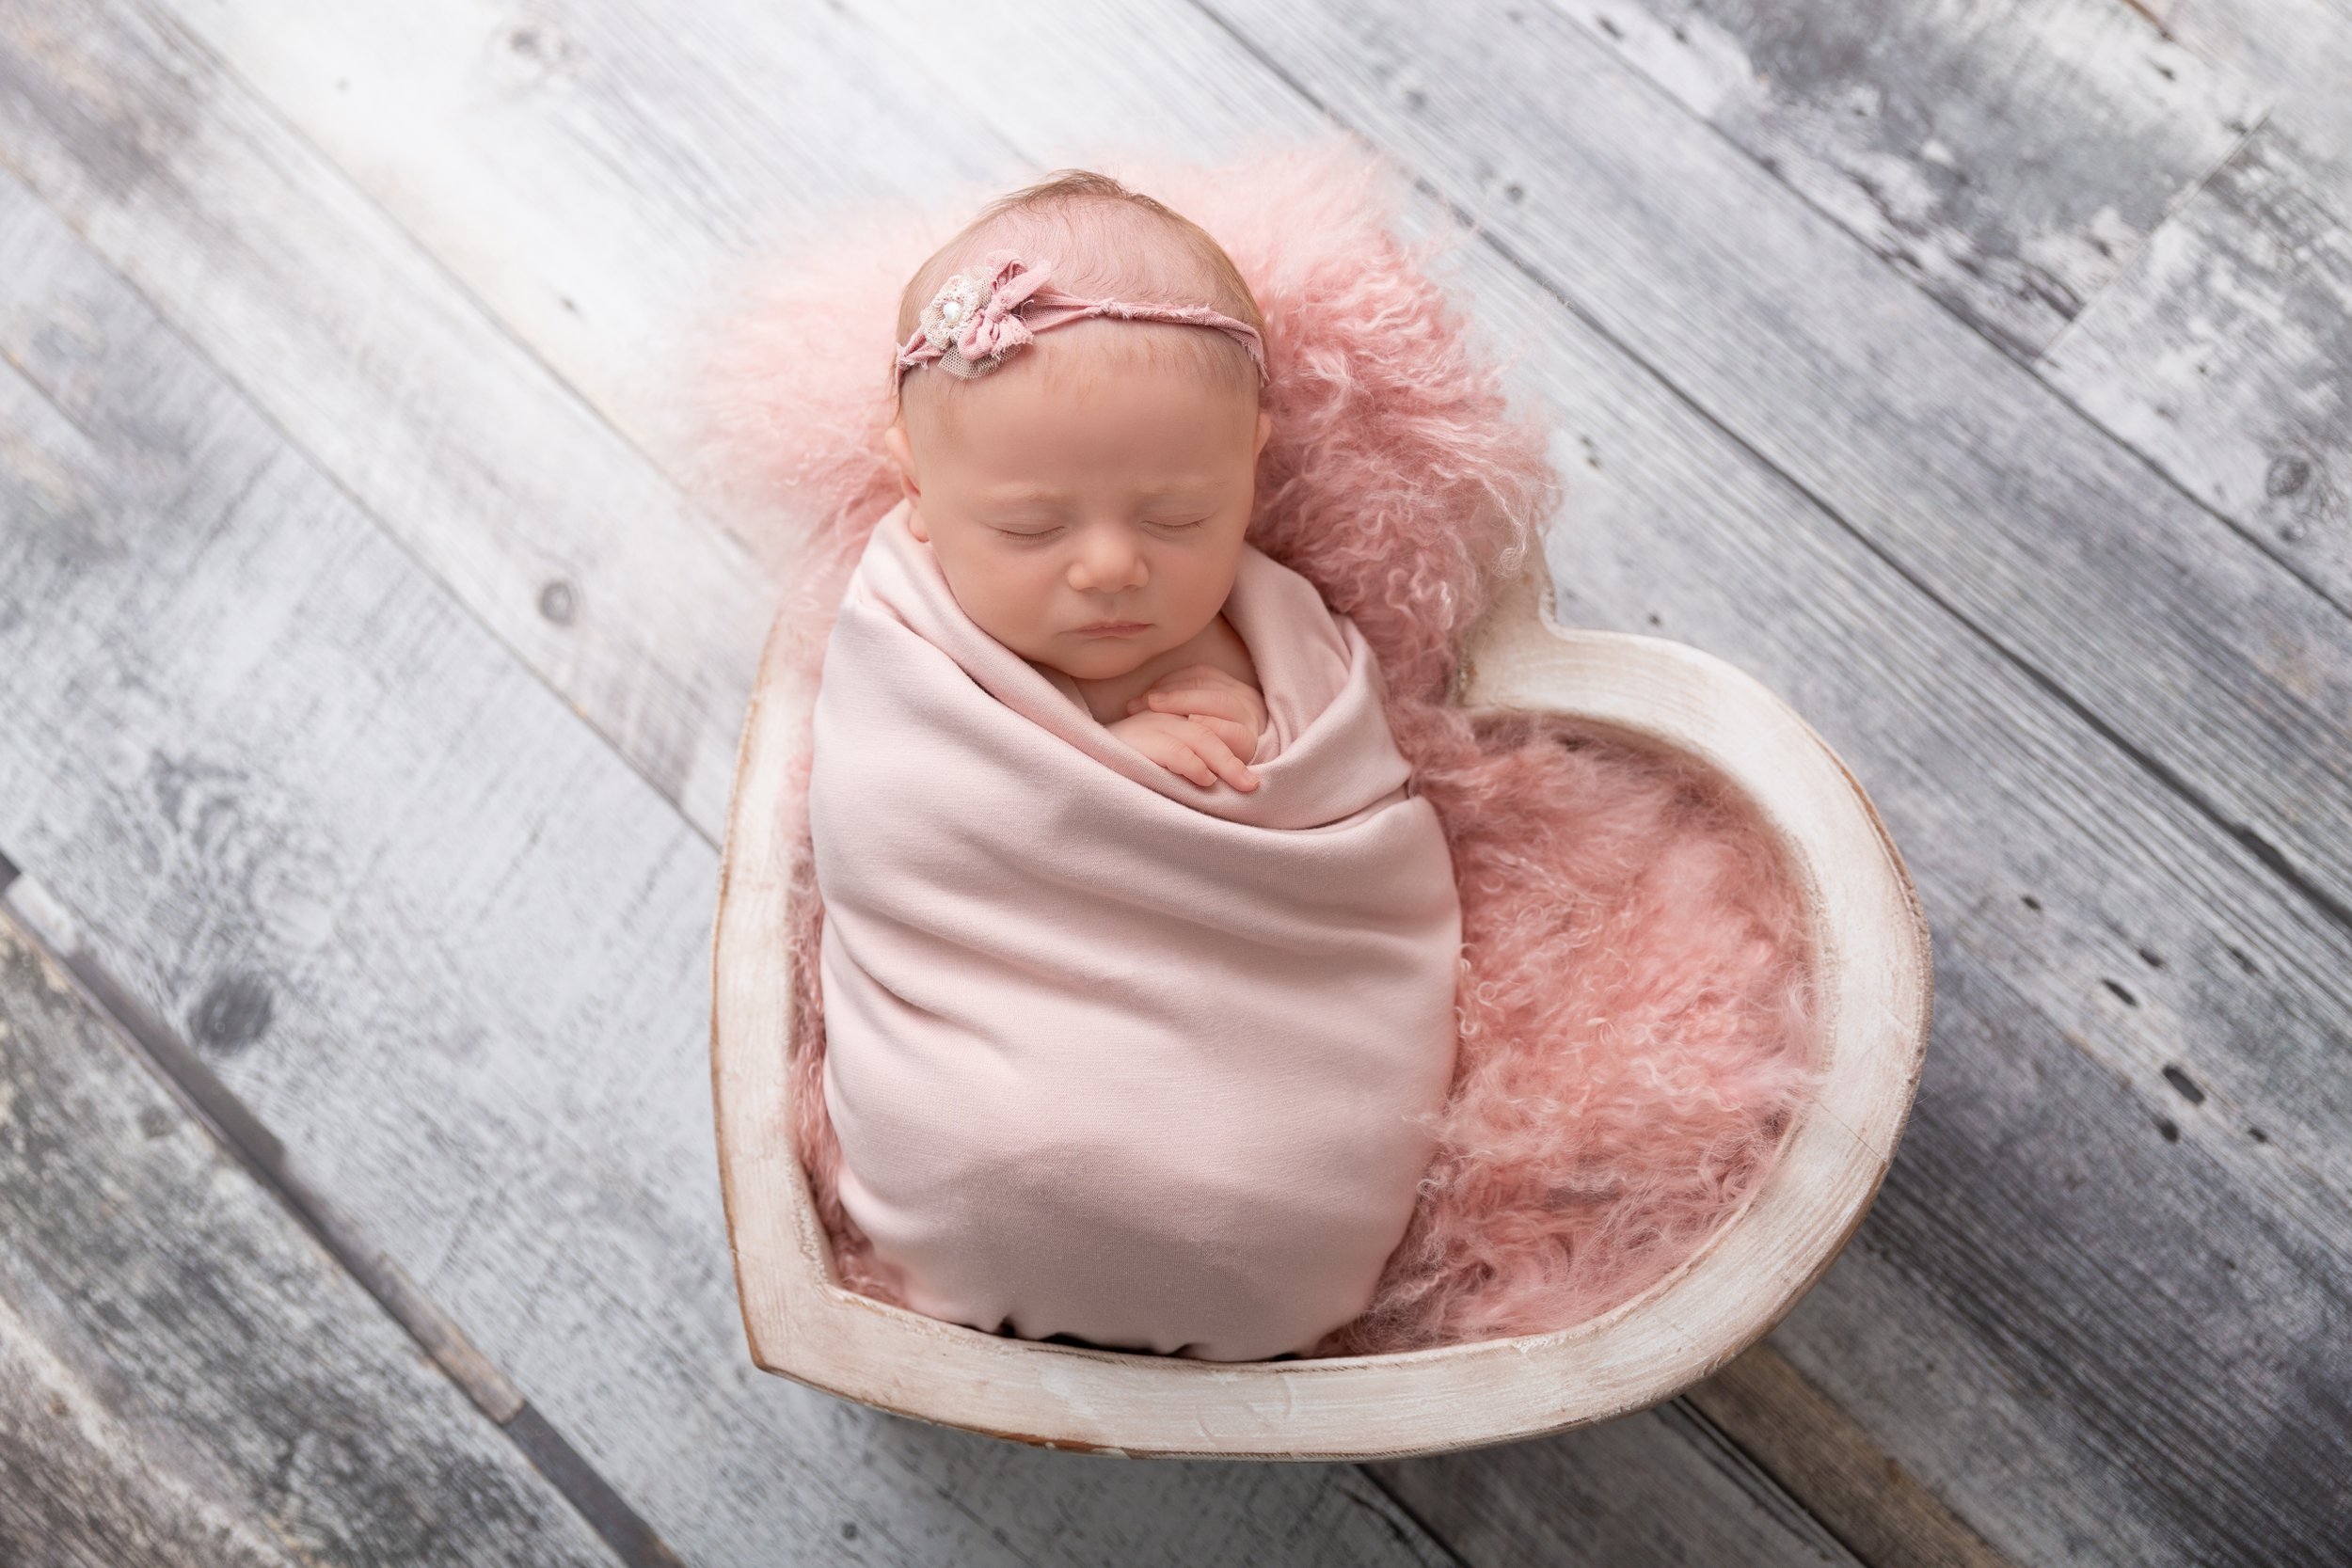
x=1109, y=565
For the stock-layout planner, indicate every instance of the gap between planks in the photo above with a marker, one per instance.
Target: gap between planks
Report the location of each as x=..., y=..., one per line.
x=402, y=1285
x=55, y=929
x=1759, y=1404
x=1820, y=1455
x=2036, y=361
x=2269, y=854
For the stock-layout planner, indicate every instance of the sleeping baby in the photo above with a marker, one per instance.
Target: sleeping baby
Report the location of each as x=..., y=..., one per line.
x=1139, y=951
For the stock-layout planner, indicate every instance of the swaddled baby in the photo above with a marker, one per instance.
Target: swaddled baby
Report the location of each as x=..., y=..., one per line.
x=1139, y=953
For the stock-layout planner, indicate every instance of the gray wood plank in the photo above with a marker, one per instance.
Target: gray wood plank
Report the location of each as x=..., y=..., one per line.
x=2061, y=876
x=242, y=169
x=2052, y=1160
x=2225, y=675
x=2225, y=355
x=2077, y=1486
x=1210, y=117
x=1227, y=104
x=2301, y=50
x=1792, y=1431
x=2016, y=161
x=499, y=477
x=186, y=1377
x=2005, y=157
x=1594, y=1498
x=455, y=954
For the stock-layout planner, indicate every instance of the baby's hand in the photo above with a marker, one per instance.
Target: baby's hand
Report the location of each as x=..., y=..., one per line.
x=1185, y=746
x=1228, y=706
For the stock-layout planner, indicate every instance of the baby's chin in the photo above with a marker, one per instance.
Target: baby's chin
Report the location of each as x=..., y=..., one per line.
x=1099, y=659
x=1102, y=658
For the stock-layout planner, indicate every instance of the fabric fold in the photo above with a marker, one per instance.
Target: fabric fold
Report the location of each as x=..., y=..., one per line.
x=1109, y=1053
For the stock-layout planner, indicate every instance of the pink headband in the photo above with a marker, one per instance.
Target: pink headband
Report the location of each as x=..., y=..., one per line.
x=983, y=313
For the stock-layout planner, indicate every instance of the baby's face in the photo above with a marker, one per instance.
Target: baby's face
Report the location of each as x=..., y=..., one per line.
x=1111, y=491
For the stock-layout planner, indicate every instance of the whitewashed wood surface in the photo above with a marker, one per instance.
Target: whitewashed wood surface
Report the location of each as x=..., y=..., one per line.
x=372, y=692
x=187, y=1377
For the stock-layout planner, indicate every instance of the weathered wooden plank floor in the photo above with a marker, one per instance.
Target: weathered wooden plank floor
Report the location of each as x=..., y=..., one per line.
x=1973, y=373
x=185, y=1375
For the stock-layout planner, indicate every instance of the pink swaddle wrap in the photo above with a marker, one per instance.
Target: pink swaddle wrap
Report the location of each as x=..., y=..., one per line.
x=1110, y=1053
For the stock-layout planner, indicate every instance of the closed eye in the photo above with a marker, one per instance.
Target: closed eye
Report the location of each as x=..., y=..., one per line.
x=1171, y=525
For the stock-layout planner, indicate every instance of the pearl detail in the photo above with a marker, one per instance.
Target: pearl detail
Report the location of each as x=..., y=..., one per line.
x=958, y=300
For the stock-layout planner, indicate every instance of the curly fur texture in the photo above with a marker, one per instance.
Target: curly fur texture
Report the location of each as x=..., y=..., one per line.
x=1634, y=997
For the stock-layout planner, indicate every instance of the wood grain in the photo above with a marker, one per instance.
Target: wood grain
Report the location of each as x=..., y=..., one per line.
x=185, y=1377
x=2087, y=172
x=503, y=481
x=2301, y=50
x=2103, y=938
x=1588, y=1497
x=2006, y=158
x=1868, y=1500
x=2226, y=675
x=1995, y=1326
x=187, y=259
x=2059, y=885
x=2225, y=355
x=451, y=950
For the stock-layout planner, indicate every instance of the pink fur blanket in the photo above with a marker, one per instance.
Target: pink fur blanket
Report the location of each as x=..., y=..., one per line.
x=1110, y=1053
x=1633, y=999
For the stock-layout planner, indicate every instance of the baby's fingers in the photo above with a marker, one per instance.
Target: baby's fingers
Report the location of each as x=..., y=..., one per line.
x=1171, y=745
x=1178, y=757
x=1240, y=736
x=1187, y=746
x=1227, y=703
x=1240, y=740
x=1192, y=697
x=1220, y=756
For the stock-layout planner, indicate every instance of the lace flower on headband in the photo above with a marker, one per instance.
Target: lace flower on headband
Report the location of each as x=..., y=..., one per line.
x=953, y=308
x=983, y=314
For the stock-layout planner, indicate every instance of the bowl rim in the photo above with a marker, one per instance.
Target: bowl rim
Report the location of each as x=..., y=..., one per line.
x=1871, y=941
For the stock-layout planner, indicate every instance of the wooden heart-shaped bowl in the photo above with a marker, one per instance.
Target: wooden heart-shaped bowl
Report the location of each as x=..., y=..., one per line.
x=1874, y=995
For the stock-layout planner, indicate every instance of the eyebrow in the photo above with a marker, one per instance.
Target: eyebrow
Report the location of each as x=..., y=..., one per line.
x=1019, y=495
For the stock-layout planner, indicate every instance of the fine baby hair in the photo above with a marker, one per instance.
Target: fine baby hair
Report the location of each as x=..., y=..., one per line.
x=1087, y=230
x=1635, y=1000
x=981, y=316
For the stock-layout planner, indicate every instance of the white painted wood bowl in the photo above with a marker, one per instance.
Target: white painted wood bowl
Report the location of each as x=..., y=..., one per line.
x=1875, y=996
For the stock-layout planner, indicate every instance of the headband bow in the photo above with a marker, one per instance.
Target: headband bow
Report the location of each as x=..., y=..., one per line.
x=981, y=316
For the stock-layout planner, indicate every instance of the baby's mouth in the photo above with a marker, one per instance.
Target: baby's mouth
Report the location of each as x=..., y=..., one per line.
x=1114, y=628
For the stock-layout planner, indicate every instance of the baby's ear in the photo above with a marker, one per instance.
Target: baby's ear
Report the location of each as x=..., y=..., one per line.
x=901, y=458
x=1265, y=428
